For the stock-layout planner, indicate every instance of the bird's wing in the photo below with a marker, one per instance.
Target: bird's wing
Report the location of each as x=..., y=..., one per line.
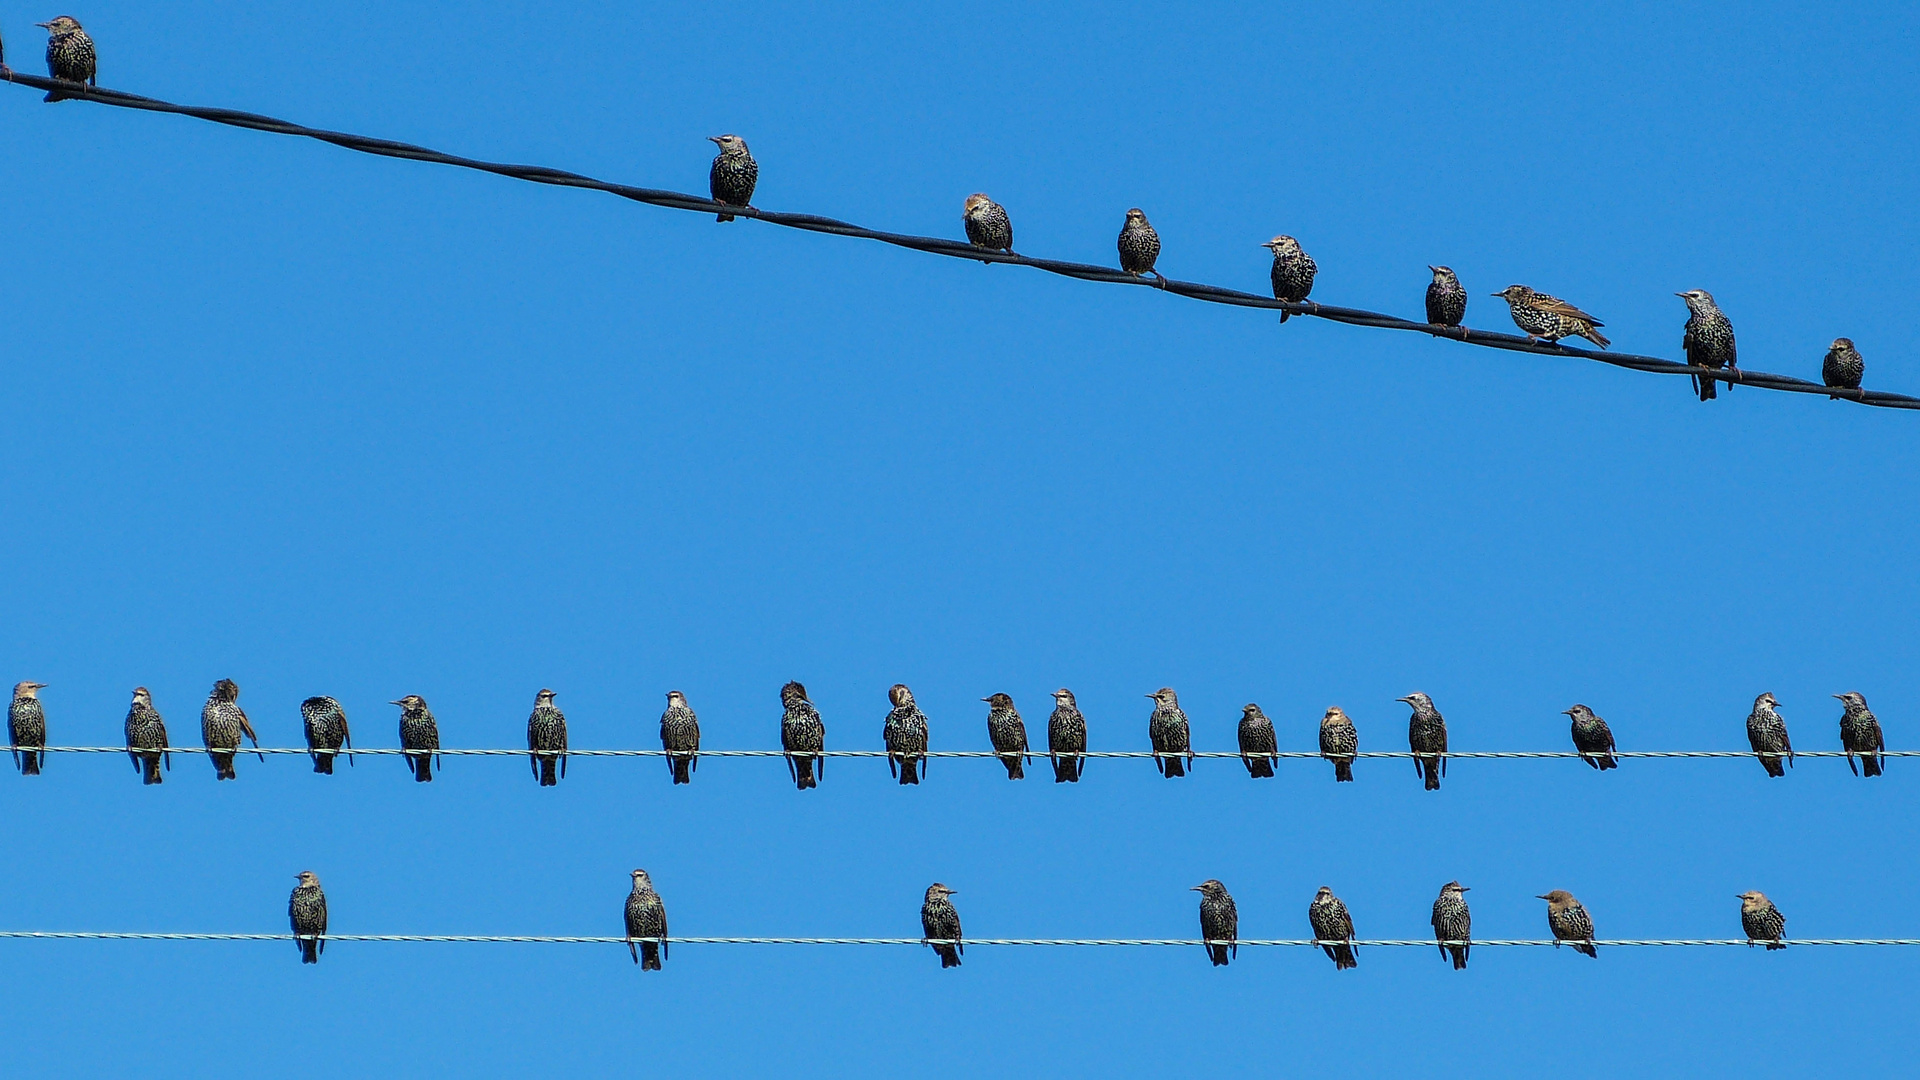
x=1561, y=307
x=246, y=726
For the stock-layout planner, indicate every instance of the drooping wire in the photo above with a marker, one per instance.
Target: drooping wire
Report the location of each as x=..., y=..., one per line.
x=592, y=939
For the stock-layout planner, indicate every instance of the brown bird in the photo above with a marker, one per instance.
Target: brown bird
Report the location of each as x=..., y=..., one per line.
x=1762, y=921
x=1547, y=318
x=988, y=225
x=1569, y=921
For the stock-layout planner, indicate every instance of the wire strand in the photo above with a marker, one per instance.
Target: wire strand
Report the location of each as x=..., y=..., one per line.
x=1285, y=755
x=603, y=939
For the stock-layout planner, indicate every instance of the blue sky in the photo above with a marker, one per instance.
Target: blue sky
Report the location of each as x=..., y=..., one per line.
x=330, y=424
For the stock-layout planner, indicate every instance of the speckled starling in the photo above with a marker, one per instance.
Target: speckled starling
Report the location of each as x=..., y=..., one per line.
x=326, y=725
x=1219, y=922
x=547, y=740
x=1592, y=738
x=1066, y=738
x=222, y=722
x=1293, y=271
x=680, y=737
x=802, y=735
x=1139, y=246
x=940, y=921
x=27, y=727
x=69, y=54
x=1545, y=318
x=1569, y=922
x=1257, y=742
x=734, y=173
x=146, y=737
x=988, y=225
x=1339, y=741
x=307, y=911
x=1859, y=734
x=418, y=731
x=1843, y=366
x=1762, y=921
x=646, y=918
x=1453, y=922
x=1427, y=735
x=905, y=734
x=1167, y=730
x=1008, y=733
x=1332, y=924
x=1446, y=298
x=1768, y=734
x=1708, y=339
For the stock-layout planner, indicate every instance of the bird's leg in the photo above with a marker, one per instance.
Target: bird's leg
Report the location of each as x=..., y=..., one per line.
x=1160, y=279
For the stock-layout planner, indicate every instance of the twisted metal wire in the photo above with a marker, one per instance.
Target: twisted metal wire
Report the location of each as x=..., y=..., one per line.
x=1305, y=755
x=604, y=939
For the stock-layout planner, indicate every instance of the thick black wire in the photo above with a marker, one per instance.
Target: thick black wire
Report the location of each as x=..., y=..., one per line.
x=959, y=249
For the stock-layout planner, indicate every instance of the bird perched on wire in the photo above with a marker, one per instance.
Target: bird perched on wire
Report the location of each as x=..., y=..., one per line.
x=1140, y=246
x=1167, y=730
x=733, y=174
x=1545, y=318
x=1762, y=921
x=146, y=737
x=1768, y=734
x=680, y=737
x=802, y=735
x=905, y=734
x=1446, y=298
x=940, y=921
x=1708, y=340
x=646, y=918
x=1859, y=734
x=27, y=727
x=70, y=55
x=546, y=740
x=222, y=722
x=1332, y=928
x=1843, y=367
x=1258, y=746
x=420, y=735
x=1427, y=737
x=1008, y=733
x=326, y=726
x=1569, y=921
x=988, y=225
x=1339, y=742
x=1453, y=922
x=1592, y=738
x=1293, y=271
x=1219, y=922
x=1066, y=738
x=307, y=911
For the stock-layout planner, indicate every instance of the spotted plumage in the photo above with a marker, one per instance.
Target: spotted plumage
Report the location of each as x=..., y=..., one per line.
x=1767, y=732
x=803, y=735
x=1427, y=736
x=146, y=738
x=1339, y=741
x=905, y=734
x=1592, y=738
x=418, y=732
x=1569, y=921
x=1446, y=298
x=1762, y=921
x=1008, y=733
x=1453, y=922
x=1167, y=730
x=1707, y=339
x=307, y=912
x=1843, y=368
x=940, y=922
x=1258, y=745
x=646, y=918
x=988, y=225
x=1332, y=928
x=1860, y=734
x=1293, y=271
x=222, y=723
x=1219, y=922
x=547, y=740
x=70, y=56
x=680, y=737
x=1066, y=738
x=733, y=174
x=326, y=727
x=27, y=727
x=1545, y=318
x=1139, y=246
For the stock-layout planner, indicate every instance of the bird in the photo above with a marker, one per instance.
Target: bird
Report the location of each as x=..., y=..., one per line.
x=1453, y=922
x=1859, y=733
x=418, y=732
x=1843, y=367
x=546, y=740
x=1446, y=298
x=70, y=56
x=1008, y=733
x=1258, y=748
x=1332, y=924
x=1066, y=738
x=1548, y=319
x=802, y=735
x=1708, y=340
x=1427, y=736
x=1140, y=246
x=307, y=911
x=1219, y=922
x=1569, y=922
x=734, y=173
x=1768, y=734
x=1167, y=728
x=1293, y=271
x=680, y=737
x=1762, y=921
x=326, y=725
x=27, y=727
x=1592, y=738
x=146, y=737
x=1339, y=741
x=5, y=71
x=222, y=722
x=646, y=918
x=905, y=734
x=988, y=225
x=940, y=921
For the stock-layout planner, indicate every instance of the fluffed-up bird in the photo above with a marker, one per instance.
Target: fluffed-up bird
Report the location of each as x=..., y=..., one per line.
x=1768, y=734
x=1762, y=921
x=222, y=722
x=1592, y=738
x=1008, y=733
x=1446, y=298
x=70, y=56
x=646, y=918
x=1568, y=920
x=1427, y=737
x=1168, y=732
x=546, y=740
x=1452, y=922
x=146, y=737
x=1844, y=368
x=988, y=226
x=1258, y=744
x=940, y=921
x=1339, y=742
x=325, y=723
x=803, y=735
x=680, y=737
x=1860, y=734
x=1707, y=340
x=307, y=912
x=419, y=735
x=27, y=727
x=1140, y=246
x=1219, y=922
x=905, y=734
x=1332, y=928
x=1293, y=271
x=1547, y=318
x=733, y=174
x=1066, y=738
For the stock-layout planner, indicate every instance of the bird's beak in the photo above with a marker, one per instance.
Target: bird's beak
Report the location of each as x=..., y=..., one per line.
x=986, y=699
x=1838, y=697
x=396, y=702
x=1408, y=699
x=1153, y=695
x=1542, y=896
x=1193, y=888
x=715, y=139
x=1566, y=712
x=1497, y=294
x=1466, y=888
x=1435, y=269
x=44, y=25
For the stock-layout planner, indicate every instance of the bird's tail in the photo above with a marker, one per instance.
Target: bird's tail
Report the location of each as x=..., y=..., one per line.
x=1015, y=770
x=1706, y=385
x=1594, y=335
x=1586, y=947
x=223, y=766
x=1063, y=770
x=151, y=774
x=309, y=951
x=423, y=768
x=548, y=763
x=1609, y=762
x=1173, y=766
x=1343, y=771
x=1869, y=765
x=1430, y=768
x=1772, y=945
x=323, y=763
x=909, y=773
x=1343, y=958
x=949, y=956
x=1218, y=953
x=683, y=769
x=723, y=217
x=803, y=773
x=1259, y=767
x=1773, y=766
x=1459, y=957
x=30, y=763
x=649, y=956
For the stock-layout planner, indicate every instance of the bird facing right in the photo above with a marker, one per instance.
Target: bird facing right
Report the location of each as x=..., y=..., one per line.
x=222, y=722
x=1569, y=921
x=1293, y=271
x=733, y=174
x=1258, y=745
x=419, y=732
x=1139, y=246
x=1592, y=738
x=1066, y=738
x=646, y=918
x=803, y=735
x=1219, y=922
x=1339, y=742
x=1008, y=733
x=1453, y=922
x=1547, y=318
x=1427, y=737
x=146, y=737
x=1708, y=339
x=546, y=740
x=1762, y=921
x=1843, y=368
x=325, y=723
x=988, y=226
x=27, y=727
x=1446, y=298
x=1860, y=734
x=680, y=737
x=70, y=56
x=1332, y=928
x=1768, y=734
x=1167, y=730
x=905, y=734
x=307, y=912
x=940, y=922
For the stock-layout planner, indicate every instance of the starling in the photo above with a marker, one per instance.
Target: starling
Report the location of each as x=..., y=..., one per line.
x=146, y=737
x=1708, y=339
x=802, y=735
x=418, y=732
x=1066, y=738
x=1545, y=318
x=1592, y=738
x=905, y=734
x=307, y=911
x=734, y=173
x=1257, y=744
x=1446, y=298
x=1569, y=922
x=1293, y=271
x=646, y=918
x=1219, y=922
x=1427, y=736
x=546, y=740
x=1762, y=921
x=1768, y=734
x=1332, y=928
x=222, y=722
x=326, y=724
x=1339, y=741
x=1008, y=733
x=27, y=728
x=1167, y=728
x=1139, y=246
x=1859, y=733
x=1453, y=922
x=680, y=737
x=988, y=225
x=1843, y=367
x=69, y=54
x=941, y=923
